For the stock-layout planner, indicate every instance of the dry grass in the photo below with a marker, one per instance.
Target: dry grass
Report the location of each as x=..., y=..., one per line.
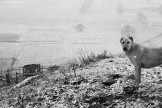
x=86, y=59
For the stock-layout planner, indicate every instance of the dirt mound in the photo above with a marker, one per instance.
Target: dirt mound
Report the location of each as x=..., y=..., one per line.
x=104, y=84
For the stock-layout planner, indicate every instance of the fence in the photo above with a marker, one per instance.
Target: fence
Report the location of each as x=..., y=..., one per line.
x=16, y=75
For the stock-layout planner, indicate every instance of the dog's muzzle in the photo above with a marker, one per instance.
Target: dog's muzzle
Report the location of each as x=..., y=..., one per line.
x=124, y=49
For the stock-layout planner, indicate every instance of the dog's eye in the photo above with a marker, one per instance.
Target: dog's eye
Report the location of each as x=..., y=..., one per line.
x=128, y=42
x=122, y=42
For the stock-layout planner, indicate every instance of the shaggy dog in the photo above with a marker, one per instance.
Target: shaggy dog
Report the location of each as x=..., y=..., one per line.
x=140, y=56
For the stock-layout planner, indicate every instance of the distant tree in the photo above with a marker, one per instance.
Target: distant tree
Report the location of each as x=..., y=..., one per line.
x=80, y=28
x=13, y=62
x=128, y=30
x=141, y=17
x=85, y=7
x=120, y=7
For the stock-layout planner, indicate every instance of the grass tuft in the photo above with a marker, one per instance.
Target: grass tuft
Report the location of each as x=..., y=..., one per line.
x=86, y=59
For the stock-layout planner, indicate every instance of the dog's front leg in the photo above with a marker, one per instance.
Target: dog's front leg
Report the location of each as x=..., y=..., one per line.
x=137, y=67
x=137, y=75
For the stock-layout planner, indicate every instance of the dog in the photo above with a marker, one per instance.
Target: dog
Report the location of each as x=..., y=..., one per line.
x=140, y=56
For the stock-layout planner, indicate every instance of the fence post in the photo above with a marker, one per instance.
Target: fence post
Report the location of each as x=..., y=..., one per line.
x=8, y=76
x=41, y=69
x=16, y=81
x=20, y=73
x=1, y=76
x=19, y=69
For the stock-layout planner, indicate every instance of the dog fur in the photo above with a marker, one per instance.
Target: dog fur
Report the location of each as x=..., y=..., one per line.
x=140, y=56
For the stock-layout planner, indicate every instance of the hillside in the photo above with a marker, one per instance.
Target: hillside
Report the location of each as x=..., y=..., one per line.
x=103, y=84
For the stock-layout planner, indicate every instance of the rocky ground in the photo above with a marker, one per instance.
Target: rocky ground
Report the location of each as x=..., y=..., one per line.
x=104, y=84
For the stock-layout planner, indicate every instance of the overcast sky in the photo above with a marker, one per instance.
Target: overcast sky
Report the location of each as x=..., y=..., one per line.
x=58, y=20
x=24, y=11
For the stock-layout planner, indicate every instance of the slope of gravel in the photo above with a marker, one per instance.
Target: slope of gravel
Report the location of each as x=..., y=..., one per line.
x=104, y=84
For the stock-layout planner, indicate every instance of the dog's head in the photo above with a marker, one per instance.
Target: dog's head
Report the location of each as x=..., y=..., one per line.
x=126, y=43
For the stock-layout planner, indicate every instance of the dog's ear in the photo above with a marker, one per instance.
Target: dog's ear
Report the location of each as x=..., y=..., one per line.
x=131, y=38
x=121, y=39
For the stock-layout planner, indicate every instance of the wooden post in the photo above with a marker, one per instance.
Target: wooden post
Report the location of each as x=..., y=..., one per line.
x=21, y=75
x=16, y=80
x=19, y=69
x=8, y=76
x=19, y=72
x=1, y=76
x=41, y=69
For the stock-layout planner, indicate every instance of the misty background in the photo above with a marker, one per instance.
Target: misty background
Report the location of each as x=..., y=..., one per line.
x=53, y=31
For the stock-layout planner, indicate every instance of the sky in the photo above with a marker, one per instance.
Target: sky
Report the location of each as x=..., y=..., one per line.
x=30, y=11
x=48, y=31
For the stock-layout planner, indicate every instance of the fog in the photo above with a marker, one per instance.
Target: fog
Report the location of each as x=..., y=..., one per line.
x=53, y=31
